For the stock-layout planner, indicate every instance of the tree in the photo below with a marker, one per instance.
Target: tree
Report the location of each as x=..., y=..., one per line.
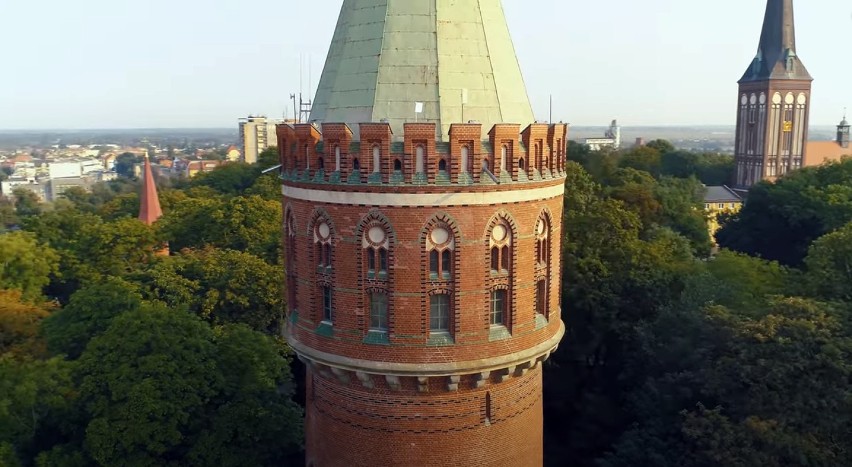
x=163, y=387
x=27, y=203
x=829, y=265
x=20, y=325
x=229, y=179
x=26, y=265
x=251, y=224
x=644, y=158
x=8, y=215
x=764, y=375
x=220, y=286
x=88, y=314
x=781, y=219
x=125, y=163
x=36, y=399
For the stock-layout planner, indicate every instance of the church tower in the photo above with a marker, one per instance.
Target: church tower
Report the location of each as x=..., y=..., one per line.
x=843, y=133
x=423, y=249
x=773, y=104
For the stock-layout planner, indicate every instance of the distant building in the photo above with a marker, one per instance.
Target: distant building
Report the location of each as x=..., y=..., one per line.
x=774, y=103
x=7, y=187
x=256, y=135
x=718, y=200
x=192, y=168
x=611, y=139
x=58, y=186
x=819, y=152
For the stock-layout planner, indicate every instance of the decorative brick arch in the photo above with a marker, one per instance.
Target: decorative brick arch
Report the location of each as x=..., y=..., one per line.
x=290, y=260
x=545, y=272
x=374, y=218
x=321, y=279
x=505, y=282
x=433, y=287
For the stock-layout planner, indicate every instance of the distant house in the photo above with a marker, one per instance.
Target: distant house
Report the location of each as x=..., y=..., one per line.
x=719, y=200
x=195, y=167
x=820, y=152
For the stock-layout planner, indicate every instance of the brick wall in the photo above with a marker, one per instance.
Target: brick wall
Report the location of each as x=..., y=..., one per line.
x=349, y=425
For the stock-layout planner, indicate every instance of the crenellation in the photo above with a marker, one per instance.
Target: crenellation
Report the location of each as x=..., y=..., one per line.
x=331, y=156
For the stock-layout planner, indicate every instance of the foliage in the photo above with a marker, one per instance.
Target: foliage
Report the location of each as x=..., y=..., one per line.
x=26, y=265
x=27, y=203
x=781, y=219
x=829, y=265
x=125, y=163
x=20, y=325
x=163, y=387
x=8, y=215
x=88, y=314
x=35, y=400
x=766, y=377
x=251, y=224
x=91, y=249
x=220, y=286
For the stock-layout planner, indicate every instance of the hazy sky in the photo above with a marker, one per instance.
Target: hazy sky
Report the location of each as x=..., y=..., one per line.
x=205, y=63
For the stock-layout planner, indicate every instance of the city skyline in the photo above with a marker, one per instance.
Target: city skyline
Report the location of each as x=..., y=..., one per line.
x=659, y=62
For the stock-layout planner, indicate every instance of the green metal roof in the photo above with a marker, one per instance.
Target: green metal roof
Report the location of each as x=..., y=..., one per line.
x=454, y=56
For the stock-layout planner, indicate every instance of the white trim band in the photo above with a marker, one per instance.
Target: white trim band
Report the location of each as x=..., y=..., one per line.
x=423, y=199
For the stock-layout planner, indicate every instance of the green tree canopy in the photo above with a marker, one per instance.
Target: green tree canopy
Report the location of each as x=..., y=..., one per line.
x=781, y=219
x=221, y=286
x=88, y=314
x=163, y=387
x=829, y=265
x=25, y=264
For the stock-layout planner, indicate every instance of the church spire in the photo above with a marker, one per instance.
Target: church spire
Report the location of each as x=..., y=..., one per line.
x=149, y=203
x=776, y=55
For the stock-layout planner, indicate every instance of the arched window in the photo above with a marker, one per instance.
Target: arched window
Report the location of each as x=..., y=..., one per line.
x=397, y=165
x=322, y=244
x=420, y=164
x=320, y=164
x=522, y=164
x=324, y=259
x=376, y=244
x=337, y=158
x=500, y=243
x=500, y=240
x=465, y=153
x=290, y=261
x=377, y=158
x=441, y=245
x=542, y=264
x=356, y=165
x=308, y=156
x=542, y=241
x=504, y=154
x=488, y=407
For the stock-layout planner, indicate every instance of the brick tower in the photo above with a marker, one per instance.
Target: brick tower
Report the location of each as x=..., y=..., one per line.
x=423, y=258
x=773, y=104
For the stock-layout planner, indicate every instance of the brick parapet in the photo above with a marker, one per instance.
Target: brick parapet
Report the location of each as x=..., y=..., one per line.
x=309, y=156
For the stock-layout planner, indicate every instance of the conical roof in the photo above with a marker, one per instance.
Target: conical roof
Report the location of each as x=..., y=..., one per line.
x=776, y=55
x=456, y=57
x=149, y=202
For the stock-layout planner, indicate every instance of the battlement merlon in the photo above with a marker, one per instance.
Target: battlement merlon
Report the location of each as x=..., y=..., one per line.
x=330, y=154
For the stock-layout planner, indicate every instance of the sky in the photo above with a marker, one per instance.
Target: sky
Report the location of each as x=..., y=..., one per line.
x=204, y=63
